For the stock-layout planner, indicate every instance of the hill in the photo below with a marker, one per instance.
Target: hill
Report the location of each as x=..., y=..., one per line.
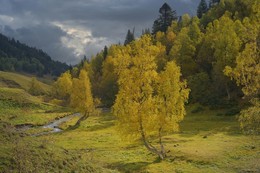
x=14, y=80
x=16, y=56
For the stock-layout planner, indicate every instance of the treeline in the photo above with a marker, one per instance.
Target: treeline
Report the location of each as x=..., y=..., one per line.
x=16, y=56
x=218, y=55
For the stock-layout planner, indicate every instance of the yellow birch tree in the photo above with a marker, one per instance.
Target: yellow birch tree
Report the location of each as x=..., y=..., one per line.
x=81, y=98
x=148, y=103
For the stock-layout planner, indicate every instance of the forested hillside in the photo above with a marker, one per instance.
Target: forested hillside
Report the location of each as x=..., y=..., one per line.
x=211, y=59
x=184, y=97
x=16, y=56
x=206, y=48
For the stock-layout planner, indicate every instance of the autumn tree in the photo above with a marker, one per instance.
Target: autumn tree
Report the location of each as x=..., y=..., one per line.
x=183, y=52
x=169, y=103
x=184, y=21
x=148, y=103
x=108, y=82
x=224, y=45
x=35, y=87
x=63, y=86
x=247, y=74
x=81, y=97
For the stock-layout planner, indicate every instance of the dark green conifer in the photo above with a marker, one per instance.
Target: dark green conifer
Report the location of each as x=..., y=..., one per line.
x=167, y=15
x=202, y=8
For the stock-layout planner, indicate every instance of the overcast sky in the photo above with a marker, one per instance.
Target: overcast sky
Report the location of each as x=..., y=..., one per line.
x=69, y=29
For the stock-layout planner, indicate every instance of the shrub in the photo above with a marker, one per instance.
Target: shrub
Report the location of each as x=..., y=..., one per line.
x=250, y=119
x=35, y=88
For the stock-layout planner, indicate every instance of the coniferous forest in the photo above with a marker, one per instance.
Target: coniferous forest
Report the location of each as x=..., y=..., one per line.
x=16, y=56
x=181, y=97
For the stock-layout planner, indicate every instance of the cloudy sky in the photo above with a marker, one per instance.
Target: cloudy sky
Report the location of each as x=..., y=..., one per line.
x=69, y=29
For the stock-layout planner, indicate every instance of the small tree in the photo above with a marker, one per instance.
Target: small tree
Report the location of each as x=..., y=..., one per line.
x=35, y=88
x=81, y=98
x=247, y=74
x=63, y=86
x=130, y=36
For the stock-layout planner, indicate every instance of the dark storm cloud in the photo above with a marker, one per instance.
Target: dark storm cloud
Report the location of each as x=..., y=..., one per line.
x=68, y=29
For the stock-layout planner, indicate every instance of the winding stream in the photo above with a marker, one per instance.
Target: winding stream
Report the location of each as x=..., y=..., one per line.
x=53, y=126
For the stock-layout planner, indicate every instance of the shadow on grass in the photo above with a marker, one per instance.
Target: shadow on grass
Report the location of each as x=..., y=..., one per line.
x=101, y=126
x=190, y=129
x=129, y=167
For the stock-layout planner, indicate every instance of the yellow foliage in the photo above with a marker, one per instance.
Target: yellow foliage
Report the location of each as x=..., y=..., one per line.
x=81, y=98
x=247, y=70
x=63, y=86
x=35, y=88
x=148, y=100
x=172, y=94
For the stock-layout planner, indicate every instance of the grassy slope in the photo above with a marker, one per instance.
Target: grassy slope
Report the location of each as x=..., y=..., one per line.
x=22, y=153
x=19, y=107
x=207, y=143
x=18, y=81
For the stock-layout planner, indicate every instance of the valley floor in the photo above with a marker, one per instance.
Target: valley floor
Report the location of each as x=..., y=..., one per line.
x=208, y=141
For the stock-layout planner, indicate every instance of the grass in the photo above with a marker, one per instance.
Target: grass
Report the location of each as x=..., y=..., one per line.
x=14, y=80
x=18, y=107
x=208, y=141
x=65, y=125
x=18, y=95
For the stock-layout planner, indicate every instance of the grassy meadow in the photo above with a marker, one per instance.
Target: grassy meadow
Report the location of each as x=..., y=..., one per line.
x=208, y=141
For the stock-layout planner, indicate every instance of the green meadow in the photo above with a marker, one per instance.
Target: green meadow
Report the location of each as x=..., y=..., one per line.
x=208, y=141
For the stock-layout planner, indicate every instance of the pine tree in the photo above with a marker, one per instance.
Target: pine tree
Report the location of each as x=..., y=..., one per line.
x=105, y=52
x=167, y=16
x=202, y=8
x=129, y=37
x=146, y=31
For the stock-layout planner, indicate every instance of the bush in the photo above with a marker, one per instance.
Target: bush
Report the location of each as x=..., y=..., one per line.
x=250, y=119
x=35, y=88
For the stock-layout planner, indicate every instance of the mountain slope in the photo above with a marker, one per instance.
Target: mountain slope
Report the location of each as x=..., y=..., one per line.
x=16, y=56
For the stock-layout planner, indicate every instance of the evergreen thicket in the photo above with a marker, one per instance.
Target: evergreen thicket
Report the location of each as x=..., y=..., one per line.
x=16, y=56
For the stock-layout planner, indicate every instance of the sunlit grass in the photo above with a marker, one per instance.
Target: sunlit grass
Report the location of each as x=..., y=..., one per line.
x=206, y=143
x=23, y=81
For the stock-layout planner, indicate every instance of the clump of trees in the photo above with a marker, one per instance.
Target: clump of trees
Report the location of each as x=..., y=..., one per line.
x=75, y=91
x=145, y=81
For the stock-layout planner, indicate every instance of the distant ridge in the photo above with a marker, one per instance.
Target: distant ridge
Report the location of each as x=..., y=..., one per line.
x=16, y=56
